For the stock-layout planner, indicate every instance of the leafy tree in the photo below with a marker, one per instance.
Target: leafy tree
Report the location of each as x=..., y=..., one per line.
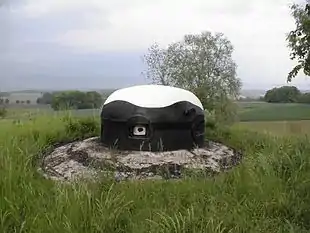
x=299, y=39
x=201, y=63
x=3, y=102
x=76, y=100
x=304, y=98
x=284, y=94
x=3, y=112
x=94, y=98
x=45, y=99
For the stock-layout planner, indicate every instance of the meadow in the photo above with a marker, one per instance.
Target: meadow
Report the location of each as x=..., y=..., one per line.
x=268, y=192
x=261, y=111
x=280, y=128
x=278, y=119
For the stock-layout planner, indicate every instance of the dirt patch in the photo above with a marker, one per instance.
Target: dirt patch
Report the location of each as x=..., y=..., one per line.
x=90, y=159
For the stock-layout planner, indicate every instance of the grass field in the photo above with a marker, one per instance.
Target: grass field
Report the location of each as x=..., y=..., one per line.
x=278, y=119
x=248, y=111
x=269, y=192
x=26, y=113
x=284, y=128
x=260, y=111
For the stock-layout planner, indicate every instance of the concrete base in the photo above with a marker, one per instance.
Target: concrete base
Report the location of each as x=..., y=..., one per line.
x=89, y=159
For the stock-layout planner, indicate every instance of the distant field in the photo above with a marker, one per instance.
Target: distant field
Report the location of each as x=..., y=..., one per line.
x=281, y=128
x=261, y=111
x=21, y=113
x=281, y=119
x=248, y=111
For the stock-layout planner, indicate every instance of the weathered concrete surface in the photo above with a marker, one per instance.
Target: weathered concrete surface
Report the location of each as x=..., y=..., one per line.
x=90, y=159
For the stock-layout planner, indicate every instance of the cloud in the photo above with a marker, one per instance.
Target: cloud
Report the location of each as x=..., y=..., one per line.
x=136, y=26
x=46, y=32
x=119, y=25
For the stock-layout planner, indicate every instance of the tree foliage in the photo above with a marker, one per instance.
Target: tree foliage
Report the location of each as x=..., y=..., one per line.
x=201, y=63
x=76, y=100
x=3, y=111
x=3, y=98
x=304, y=98
x=3, y=102
x=45, y=99
x=299, y=40
x=284, y=94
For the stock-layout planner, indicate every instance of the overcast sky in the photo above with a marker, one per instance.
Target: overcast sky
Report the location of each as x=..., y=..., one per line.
x=99, y=43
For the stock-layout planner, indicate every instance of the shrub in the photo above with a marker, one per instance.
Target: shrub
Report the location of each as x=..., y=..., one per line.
x=3, y=112
x=82, y=127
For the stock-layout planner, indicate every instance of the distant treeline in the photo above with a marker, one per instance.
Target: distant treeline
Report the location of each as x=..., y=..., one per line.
x=72, y=100
x=286, y=94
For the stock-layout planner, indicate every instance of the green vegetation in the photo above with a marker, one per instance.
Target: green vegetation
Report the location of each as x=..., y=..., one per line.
x=264, y=194
x=299, y=39
x=35, y=98
x=4, y=100
x=247, y=111
x=203, y=64
x=76, y=100
x=71, y=100
x=3, y=112
x=280, y=119
x=261, y=111
x=268, y=192
x=29, y=113
x=46, y=98
x=280, y=128
x=276, y=119
x=286, y=94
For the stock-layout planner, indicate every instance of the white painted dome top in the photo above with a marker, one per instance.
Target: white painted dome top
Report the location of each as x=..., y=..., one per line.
x=153, y=96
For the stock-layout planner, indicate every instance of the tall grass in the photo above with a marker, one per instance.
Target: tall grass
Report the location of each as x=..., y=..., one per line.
x=268, y=192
